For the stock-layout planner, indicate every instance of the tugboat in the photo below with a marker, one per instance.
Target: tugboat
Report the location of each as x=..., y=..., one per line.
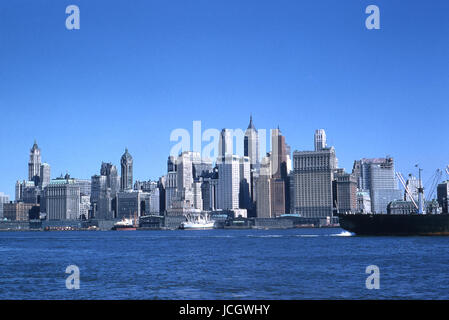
x=416, y=223
x=197, y=221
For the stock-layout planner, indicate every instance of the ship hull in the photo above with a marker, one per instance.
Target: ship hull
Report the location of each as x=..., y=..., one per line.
x=197, y=226
x=396, y=225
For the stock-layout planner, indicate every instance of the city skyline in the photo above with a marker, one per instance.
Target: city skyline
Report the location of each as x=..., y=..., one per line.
x=311, y=65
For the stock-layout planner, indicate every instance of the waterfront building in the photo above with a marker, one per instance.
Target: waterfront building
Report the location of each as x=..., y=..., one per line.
x=443, y=196
x=34, y=164
x=20, y=211
x=126, y=165
x=3, y=199
x=135, y=203
x=313, y=173
x=62, y=198
x=170, y=188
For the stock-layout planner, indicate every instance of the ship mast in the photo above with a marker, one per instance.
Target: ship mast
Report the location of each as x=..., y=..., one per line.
x=420, y=193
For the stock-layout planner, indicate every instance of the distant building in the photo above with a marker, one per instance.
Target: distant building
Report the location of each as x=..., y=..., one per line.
x=313, y=173
x=62, y=198
x=3, y=199
x=407, y=207
x=126, y=164
x=320, y=139
x=412, y=184
x=84, y=206
x=44, y=175
x=378, y=177
x=134, y=203
x=233, y=189
x=363, y=202
x=345, y=192
x=19, y=211
x=34, y=164
x=104, y=189
x=443, y=196
x=263, y=189
x=251, y=145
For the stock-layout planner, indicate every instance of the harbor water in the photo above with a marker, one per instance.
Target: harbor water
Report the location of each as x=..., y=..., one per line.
x=326, y=263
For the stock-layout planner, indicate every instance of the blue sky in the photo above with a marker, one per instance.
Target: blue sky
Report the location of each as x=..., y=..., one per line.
x=138, y=69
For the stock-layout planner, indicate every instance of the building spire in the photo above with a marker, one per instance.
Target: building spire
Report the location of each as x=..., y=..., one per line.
x=251, y=124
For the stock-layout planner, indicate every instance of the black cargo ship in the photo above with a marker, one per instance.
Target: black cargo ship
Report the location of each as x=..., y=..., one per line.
x=417, y=222
x=396, y=224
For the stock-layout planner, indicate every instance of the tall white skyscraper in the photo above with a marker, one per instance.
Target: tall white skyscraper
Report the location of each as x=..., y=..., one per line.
x=320, y=139
x=228, y=182
x=34, y=165
x=251, y=144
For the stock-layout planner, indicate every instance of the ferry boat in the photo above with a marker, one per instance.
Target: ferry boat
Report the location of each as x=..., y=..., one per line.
x=197, y=221
x=125, y=225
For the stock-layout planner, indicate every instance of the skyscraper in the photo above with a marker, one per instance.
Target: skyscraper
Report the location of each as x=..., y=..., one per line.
x=313, y=173
x=378, y=177
x=44, y=175
x=126, y=164
x=228, y=182
x=280, y=197
x=251, y=144
x=320, y=139
x=104, y=189
x=34, y=164
x=3, y=199
x=263, y=189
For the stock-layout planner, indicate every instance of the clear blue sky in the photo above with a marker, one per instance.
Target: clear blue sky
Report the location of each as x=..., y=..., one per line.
x=138, y=69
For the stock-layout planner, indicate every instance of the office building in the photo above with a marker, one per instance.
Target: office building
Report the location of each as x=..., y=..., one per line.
x=312, y=176
x=34, y=164
x=19, y=211
x=3, y=199
x=378, y=177
x=443, y=196
x=62, y=198
x=126, y=165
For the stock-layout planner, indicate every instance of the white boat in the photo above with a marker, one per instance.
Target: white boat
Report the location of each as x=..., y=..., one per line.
x=124, y=224
x=197, y=222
